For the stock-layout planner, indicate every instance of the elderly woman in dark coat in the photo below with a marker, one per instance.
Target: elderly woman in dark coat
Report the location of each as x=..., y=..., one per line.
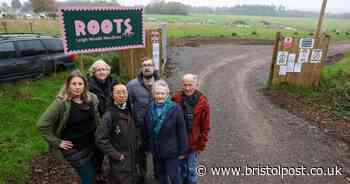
x=100, y=83
x=165, y=129
x=116, y=137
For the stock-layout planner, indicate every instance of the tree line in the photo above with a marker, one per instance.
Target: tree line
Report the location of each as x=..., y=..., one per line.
x=173, y=8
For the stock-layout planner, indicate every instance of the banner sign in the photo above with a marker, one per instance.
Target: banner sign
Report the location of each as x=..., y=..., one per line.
x=100, y=29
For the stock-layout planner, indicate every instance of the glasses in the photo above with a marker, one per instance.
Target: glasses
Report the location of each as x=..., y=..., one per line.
x=120, y=92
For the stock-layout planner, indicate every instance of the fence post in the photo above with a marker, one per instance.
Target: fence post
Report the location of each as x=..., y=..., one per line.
x=274, y=57
x=163, y=27
x=4, y=24
x=31, y=26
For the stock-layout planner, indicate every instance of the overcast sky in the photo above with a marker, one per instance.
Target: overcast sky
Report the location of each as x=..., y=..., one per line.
x=334, y=6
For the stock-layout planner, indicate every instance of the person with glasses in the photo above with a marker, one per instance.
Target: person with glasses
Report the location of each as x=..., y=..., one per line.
x=116, y=137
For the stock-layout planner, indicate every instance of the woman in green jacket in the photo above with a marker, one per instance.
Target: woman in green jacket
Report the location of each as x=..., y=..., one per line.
x=69, y=124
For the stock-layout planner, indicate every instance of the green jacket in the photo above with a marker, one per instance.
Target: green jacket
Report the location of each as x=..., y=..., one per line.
x=52, y=123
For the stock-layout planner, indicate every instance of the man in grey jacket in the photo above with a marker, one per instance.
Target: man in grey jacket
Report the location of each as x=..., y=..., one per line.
x=140, y=97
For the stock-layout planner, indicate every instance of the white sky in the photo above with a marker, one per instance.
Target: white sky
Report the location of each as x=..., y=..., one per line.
x=333, y=6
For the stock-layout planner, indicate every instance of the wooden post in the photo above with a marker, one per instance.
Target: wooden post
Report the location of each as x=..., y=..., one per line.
x=163, y=27
x=81, y=62
x=4, y=24
x=320, y=20
x=132, y=62
x=274, y=57
x=31, y=26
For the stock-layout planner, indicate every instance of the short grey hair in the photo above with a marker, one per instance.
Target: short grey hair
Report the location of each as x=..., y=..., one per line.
x=193, y=76
x=160, y=83
x=92, y=68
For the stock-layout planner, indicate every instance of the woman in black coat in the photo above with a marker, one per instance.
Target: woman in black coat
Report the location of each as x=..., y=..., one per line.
x=100, y=83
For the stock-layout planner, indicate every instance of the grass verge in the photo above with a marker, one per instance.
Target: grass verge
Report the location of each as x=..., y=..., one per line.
x=21, y=105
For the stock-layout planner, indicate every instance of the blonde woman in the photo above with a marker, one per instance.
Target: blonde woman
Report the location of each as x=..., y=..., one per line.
x=100, y=83
x=69, y=124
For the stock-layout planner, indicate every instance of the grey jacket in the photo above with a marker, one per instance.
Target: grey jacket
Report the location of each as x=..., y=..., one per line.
x=140, y=97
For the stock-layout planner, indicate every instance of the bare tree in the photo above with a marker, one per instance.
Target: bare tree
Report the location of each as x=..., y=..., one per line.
x=43, y=5
x=5, y=6
x=27, y=6
x=16, y=4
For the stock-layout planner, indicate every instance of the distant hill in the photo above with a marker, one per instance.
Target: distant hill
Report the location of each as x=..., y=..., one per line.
x=263, y=10
x=84, y=3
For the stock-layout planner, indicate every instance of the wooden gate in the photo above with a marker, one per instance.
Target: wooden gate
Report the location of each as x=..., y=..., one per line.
x=298, y=61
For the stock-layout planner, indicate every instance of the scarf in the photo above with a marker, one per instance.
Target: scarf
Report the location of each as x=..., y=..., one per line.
x=158, y=115
x=188, y=104
x=120, y=106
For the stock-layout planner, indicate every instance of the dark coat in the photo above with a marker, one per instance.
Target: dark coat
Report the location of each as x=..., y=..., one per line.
x=104, y=95
x=117, y=135
x=198, y=136
x=140, y=97
x=172, y=139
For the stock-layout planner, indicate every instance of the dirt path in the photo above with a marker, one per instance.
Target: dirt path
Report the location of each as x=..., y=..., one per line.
x=246, y=128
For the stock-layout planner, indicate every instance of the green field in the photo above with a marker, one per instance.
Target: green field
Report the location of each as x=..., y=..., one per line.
x=215, y=25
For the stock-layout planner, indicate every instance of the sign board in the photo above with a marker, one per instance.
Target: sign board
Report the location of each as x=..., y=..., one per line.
x=288, y=42
x=316, y=56
x=306, y=43
x=292, y=65
x=298, y=67
x=282, y=58
x=99, y=29
x=304, y=55
x=283, y=70
x=291, y=62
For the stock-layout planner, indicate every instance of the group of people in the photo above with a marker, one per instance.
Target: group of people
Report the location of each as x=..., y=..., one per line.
x=103, y=127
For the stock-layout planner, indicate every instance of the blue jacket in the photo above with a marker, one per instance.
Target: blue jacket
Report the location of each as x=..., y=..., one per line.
x=172, y=139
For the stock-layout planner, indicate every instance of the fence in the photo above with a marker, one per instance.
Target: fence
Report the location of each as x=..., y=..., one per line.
x=29, y=26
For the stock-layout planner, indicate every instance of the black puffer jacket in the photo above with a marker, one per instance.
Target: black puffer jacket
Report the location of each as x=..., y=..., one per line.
x=103, y=91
